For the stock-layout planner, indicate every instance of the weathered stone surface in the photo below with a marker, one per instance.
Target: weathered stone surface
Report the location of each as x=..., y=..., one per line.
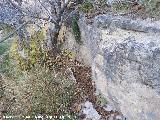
x=125, y=59
x=90, y=112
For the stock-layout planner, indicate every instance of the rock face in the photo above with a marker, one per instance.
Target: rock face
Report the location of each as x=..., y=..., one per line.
x=125, y=59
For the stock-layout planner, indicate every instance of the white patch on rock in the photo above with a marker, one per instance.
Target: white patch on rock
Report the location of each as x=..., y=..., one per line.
x=109, y=108
x=90, y=112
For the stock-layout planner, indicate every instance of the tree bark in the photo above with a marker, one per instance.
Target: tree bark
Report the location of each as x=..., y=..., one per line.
x=54, y=40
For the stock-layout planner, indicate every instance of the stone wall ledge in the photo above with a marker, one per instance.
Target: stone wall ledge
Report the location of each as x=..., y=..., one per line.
x=139, y=25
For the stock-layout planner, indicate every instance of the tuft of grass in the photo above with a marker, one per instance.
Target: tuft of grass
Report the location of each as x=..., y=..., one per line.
x=102, y=100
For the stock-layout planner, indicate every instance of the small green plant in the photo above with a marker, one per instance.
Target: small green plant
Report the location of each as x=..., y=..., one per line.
x=86, y=7
x=102, y=99
x=76, y=30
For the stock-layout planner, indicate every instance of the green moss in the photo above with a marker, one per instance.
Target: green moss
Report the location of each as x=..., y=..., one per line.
x=76, y=30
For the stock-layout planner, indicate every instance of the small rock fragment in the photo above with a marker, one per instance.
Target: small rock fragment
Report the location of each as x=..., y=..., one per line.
x=90, y=112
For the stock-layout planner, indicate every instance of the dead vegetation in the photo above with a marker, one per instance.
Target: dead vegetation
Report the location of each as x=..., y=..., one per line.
x=52, y=92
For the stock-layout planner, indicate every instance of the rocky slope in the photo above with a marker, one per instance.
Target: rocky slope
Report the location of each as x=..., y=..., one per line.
x=124, y=57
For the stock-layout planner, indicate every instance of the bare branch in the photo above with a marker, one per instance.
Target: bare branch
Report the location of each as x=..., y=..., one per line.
x=31, y=15
x=11, y=34
x=44, y=7
x=64, y=7
x=53, y=9
x=58, y=4
x=16, y=6
x=73, y=12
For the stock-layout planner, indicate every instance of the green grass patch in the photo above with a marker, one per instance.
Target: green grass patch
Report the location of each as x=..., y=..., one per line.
x=3, y=48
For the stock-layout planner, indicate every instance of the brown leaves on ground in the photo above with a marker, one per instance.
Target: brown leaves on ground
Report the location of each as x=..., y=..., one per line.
x=86, y=89
x=86, y=84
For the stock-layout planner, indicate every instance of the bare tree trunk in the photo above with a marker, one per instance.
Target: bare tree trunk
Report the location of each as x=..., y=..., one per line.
x=54, y=39
x=20, y=36
x=23, y=34
x=20, y=31
x=56, y=15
